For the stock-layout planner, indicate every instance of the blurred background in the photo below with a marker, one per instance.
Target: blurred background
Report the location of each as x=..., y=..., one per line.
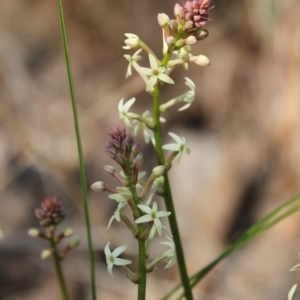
x=243, y=130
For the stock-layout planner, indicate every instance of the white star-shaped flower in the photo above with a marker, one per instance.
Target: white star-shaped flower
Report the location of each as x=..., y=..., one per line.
x=180, y=146
x=116, y=215
x=123, y=195
x=171, y=254
x=152, y=215
x=147, y=132
x=190, y=95
x=132, y=62
x=123, y=111
x=155, y=72
x=112, y=258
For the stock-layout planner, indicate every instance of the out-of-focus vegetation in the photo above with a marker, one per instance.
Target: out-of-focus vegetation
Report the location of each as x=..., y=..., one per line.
x=243, y=131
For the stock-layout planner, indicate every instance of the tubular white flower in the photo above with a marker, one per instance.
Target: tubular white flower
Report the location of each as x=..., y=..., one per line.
x=291, y=292
x=123, y=111
x=132, y=41
x=152, y=215
x=155, y=72
x=112, y=258
x=132, y=62
x=180, y=146
x=171, y=254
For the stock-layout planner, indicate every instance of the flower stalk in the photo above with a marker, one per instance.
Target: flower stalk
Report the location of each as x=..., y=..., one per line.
x=168, y=194
x=80, y=152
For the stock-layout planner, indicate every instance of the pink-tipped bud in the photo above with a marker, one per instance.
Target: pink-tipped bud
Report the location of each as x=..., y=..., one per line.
x=98, y=186
x=191, y=40
x=170, y=40
x=163, y=20
x=178, y=11
x=110, y=170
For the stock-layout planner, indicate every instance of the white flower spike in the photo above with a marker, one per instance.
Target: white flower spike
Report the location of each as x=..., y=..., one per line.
x=152, y=215
x=180, y=146
x=155, y=72
x=112, y=258
x=123, y=111
x=132, y=62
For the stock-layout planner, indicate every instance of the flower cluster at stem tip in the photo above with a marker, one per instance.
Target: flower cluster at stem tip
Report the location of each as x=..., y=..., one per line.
x=50, y=214
x=133, y=192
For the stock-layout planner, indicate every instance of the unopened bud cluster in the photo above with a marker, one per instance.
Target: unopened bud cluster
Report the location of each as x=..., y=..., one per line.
x=50, y=214
x=187, y=27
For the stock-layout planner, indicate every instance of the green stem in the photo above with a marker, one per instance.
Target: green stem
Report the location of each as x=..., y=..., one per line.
x=58, y=269
x=80, y=152
x=142, y=270
x=168, y=195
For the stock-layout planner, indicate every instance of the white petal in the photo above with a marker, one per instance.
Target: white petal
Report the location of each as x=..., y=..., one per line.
x=128, y=104
x=109, y=269
x=145, y=208
x=171, y=147
x=119, y=250
x=291, y=292
x=158, y=225
x=110, y=221
x=146, y=71
x=151, y=82
x=161, y=214
x=122, y=262
x=176, y=138
x=153, y=62
x=107, y=250
x=190, y=83
x=144, y=219
x=295, y=268
x=120, y=105
x=165, y=78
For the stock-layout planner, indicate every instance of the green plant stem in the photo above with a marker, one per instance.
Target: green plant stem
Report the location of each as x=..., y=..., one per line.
x=142, y=268
x=59, y=273
x=80, y=152
x=168, y=196
x=259, y=227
